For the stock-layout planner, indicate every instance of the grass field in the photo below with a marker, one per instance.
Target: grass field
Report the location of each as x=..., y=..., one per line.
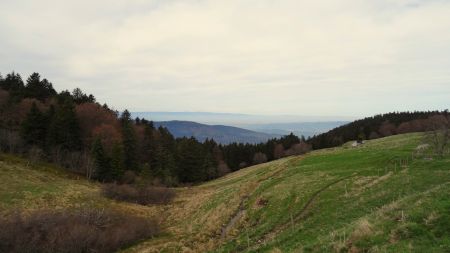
x=27, y=187
x=374, y=198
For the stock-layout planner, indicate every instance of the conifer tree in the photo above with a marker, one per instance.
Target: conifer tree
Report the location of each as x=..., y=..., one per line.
x=36, y=88
x=102, y=170
x=64, y=130
x=117, y=161
x=148, y=144
x=164, y=166
x=167, y=139
x=13, y=83
x=129, y=142
x=34, y=127
x=79, y=97
x=190, y=161
x=209, y=167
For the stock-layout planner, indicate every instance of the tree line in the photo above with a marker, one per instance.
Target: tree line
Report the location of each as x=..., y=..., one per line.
x=73, y=130
x=383, y=125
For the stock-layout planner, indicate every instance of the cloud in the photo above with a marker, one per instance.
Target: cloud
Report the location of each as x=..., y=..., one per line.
x=298, y=57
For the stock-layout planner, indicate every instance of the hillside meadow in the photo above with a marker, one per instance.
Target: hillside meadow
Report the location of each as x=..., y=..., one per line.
x=382, y=196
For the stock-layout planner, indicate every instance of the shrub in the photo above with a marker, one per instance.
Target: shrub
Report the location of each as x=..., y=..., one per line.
x=36, y=154
x=128, y=177
x=140, y=195
x=259, y=158
x=87, y=230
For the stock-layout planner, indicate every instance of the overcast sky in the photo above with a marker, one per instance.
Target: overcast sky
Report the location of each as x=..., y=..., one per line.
x=330, y=57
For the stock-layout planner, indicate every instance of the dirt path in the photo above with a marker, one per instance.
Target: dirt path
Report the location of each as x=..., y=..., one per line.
x=234, y=218
x=301, y=215
x=241, y=210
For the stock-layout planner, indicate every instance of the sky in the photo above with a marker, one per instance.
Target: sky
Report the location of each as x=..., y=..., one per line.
x=326, y=58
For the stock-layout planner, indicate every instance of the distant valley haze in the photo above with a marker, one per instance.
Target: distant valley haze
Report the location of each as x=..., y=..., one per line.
x=236, y=119
x=232, y=127
x=219, y=133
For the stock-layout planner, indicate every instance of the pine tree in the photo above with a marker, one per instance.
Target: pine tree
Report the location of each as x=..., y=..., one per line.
x=190, y=161
x=164, y=166
x=167, y=139
x=14, y=85
x=36, y=88
x=11, y=82
x=34, y=127
x=102, y=170
x=79, y=97
x=209, y=166
x=289, y=140
x=147, y=152
x=64, y=130
x=129, y=142
x=117, y=161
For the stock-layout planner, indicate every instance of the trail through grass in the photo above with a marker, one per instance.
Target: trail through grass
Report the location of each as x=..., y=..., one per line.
x=374, y=198
x=326, y=201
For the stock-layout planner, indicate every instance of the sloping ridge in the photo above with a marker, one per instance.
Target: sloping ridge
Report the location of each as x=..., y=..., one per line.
x=220, y=133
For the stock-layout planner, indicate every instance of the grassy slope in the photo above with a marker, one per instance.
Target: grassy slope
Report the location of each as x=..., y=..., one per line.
x=360, y=199
x=26, y=187
x=329, y=200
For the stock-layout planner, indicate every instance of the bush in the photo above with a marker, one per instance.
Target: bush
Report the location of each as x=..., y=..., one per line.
x=128, y=177
x=140, y=195
x=87, y=230
x=36, y=154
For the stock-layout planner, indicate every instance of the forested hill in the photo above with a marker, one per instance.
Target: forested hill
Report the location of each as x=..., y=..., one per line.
x=220, y=133
x=74, y=130
x=381, y=125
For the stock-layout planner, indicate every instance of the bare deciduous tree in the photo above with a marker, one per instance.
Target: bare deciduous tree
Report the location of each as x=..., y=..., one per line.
x=35, y=154
x=301, y=148
x=88, y=164
x=96, y=121
x=278, y=151
x=438, y=133
x=298, y=149
x=374, y=135
x=222, y=169
x=10, y=141
x=259, y=158
x=387, y=129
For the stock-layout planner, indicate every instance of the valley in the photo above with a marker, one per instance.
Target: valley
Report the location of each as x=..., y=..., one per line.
x=379, y=197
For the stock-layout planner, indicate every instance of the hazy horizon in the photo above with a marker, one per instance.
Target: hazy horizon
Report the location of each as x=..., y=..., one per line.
x=237, y=119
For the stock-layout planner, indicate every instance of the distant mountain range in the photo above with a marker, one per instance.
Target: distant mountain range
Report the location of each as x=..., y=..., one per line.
x=236, y=119
x=298, y=128
x=220, y=133
x=244, y=128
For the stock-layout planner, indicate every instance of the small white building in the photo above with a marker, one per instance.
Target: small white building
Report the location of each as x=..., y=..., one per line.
x=357, y=143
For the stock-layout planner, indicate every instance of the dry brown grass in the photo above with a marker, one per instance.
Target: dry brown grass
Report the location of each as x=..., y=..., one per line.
x=362, y=229
x=196, y=228
x=276, y=250
x=343, y=242
x=363, y=183
x=431, y=218
x=140, y=195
